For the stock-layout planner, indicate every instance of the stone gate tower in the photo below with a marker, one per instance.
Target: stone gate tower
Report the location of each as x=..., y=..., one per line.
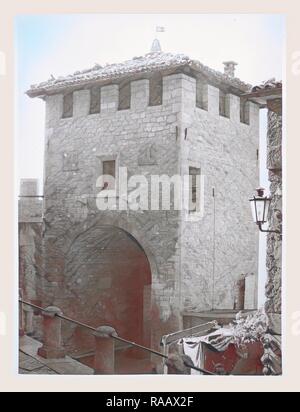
x=159, y=114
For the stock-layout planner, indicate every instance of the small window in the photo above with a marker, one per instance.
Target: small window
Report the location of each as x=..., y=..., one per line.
x=109, y=169
x=156, y=90
x=201, y=94
x=224, y=108
x=95, y=100
x=195, y=174
x=124, y=95
x=68, y=105
x=245, y=112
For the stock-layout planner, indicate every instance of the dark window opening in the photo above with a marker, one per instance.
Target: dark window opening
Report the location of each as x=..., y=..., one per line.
x=245, y=112
x=95, y=100
x=68, y=105
x=109, y=169
x=201, y=94
x=224, y=108
x=156, y=90
x=194, y=174
x=124, y=95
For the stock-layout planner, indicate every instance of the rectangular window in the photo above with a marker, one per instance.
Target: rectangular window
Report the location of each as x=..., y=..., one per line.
x=201, y=94
x=194, y=174
x=124, y=95
x=224, y=108
x=95, y=100
x=68, y=105
x=245, y=112
x=156, y=90
x=109, y=169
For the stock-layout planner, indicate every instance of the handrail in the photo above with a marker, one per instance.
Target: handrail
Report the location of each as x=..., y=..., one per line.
x=203, y=329
x=63, y=317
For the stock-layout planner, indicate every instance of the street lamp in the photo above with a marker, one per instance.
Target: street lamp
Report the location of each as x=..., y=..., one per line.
x=260, y=205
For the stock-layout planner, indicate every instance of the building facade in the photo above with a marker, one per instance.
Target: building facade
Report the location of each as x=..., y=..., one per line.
x=30, y=251
x=139, y=270
x=269, y=96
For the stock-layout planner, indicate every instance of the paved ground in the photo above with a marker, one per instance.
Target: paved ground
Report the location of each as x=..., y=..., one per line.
x=31, y=363
x=31, y=366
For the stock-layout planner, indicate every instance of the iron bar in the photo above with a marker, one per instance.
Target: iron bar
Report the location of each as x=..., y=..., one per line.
x=63, y=317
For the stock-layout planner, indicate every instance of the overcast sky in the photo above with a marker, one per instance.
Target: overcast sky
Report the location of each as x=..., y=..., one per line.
x=62, y=44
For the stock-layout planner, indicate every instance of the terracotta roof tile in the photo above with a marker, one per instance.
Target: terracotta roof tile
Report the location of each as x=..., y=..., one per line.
x=157, y=61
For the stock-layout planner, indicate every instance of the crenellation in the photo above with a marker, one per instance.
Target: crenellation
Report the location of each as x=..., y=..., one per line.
x=81, y=103
x=152, y=127
x=201, y=94
x=234, y=108
x=244, y=112
x=254, y=115
x=54, y=109
x=68, y=105
x=109, y=98
x=213, y=100
x=224, y=104
x=137, y=97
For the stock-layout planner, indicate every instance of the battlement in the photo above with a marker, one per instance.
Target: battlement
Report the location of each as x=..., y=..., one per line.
x=142, y=94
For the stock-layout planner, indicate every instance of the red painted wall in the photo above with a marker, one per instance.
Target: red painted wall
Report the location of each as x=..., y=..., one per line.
x=232, y=362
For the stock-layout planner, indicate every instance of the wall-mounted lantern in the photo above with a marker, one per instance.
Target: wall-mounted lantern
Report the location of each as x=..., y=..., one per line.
x=260, y=205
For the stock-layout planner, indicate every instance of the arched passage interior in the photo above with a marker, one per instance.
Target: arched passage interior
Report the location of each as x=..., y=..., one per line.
x=108, y=276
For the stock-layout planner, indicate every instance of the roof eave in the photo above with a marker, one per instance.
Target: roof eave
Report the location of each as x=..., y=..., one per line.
x=215, y=78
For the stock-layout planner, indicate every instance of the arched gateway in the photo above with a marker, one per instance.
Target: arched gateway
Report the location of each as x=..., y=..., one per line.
x=100, y=265
x=108, y=277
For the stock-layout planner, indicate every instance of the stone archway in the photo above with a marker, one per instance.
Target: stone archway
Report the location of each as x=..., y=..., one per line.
x=108, y=281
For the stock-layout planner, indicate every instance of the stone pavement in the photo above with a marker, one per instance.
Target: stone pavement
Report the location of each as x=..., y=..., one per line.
x=31, y=363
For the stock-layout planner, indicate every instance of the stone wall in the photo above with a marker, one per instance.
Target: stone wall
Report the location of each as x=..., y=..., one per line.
x=274, y=242
x=143, y=139
x=148, y=140
x=272, y=358
x=30, y=247
x=221, y=244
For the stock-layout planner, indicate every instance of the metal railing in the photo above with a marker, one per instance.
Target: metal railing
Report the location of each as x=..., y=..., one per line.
x=200, y=330
x=118, y=338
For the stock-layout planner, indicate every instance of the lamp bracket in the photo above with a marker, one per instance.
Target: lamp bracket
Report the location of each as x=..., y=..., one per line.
x=268, y=231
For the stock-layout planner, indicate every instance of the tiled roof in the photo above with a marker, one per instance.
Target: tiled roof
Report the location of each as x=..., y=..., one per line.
x=157, y=61
x=268, y=85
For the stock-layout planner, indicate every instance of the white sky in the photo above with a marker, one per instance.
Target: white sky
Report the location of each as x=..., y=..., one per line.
x=62, y=44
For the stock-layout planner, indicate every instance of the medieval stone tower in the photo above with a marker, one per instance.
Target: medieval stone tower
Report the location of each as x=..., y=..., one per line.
x=138, y=271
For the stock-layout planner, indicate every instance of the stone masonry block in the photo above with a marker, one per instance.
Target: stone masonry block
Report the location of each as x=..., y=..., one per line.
x=139, y=94
x=213, y=100
x=234, y=107
x=109, y=98
x=81, y=103
x=54, y=109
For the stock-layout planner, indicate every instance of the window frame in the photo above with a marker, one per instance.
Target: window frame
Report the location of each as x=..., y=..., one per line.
x=108, y=158
x=225, y=97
